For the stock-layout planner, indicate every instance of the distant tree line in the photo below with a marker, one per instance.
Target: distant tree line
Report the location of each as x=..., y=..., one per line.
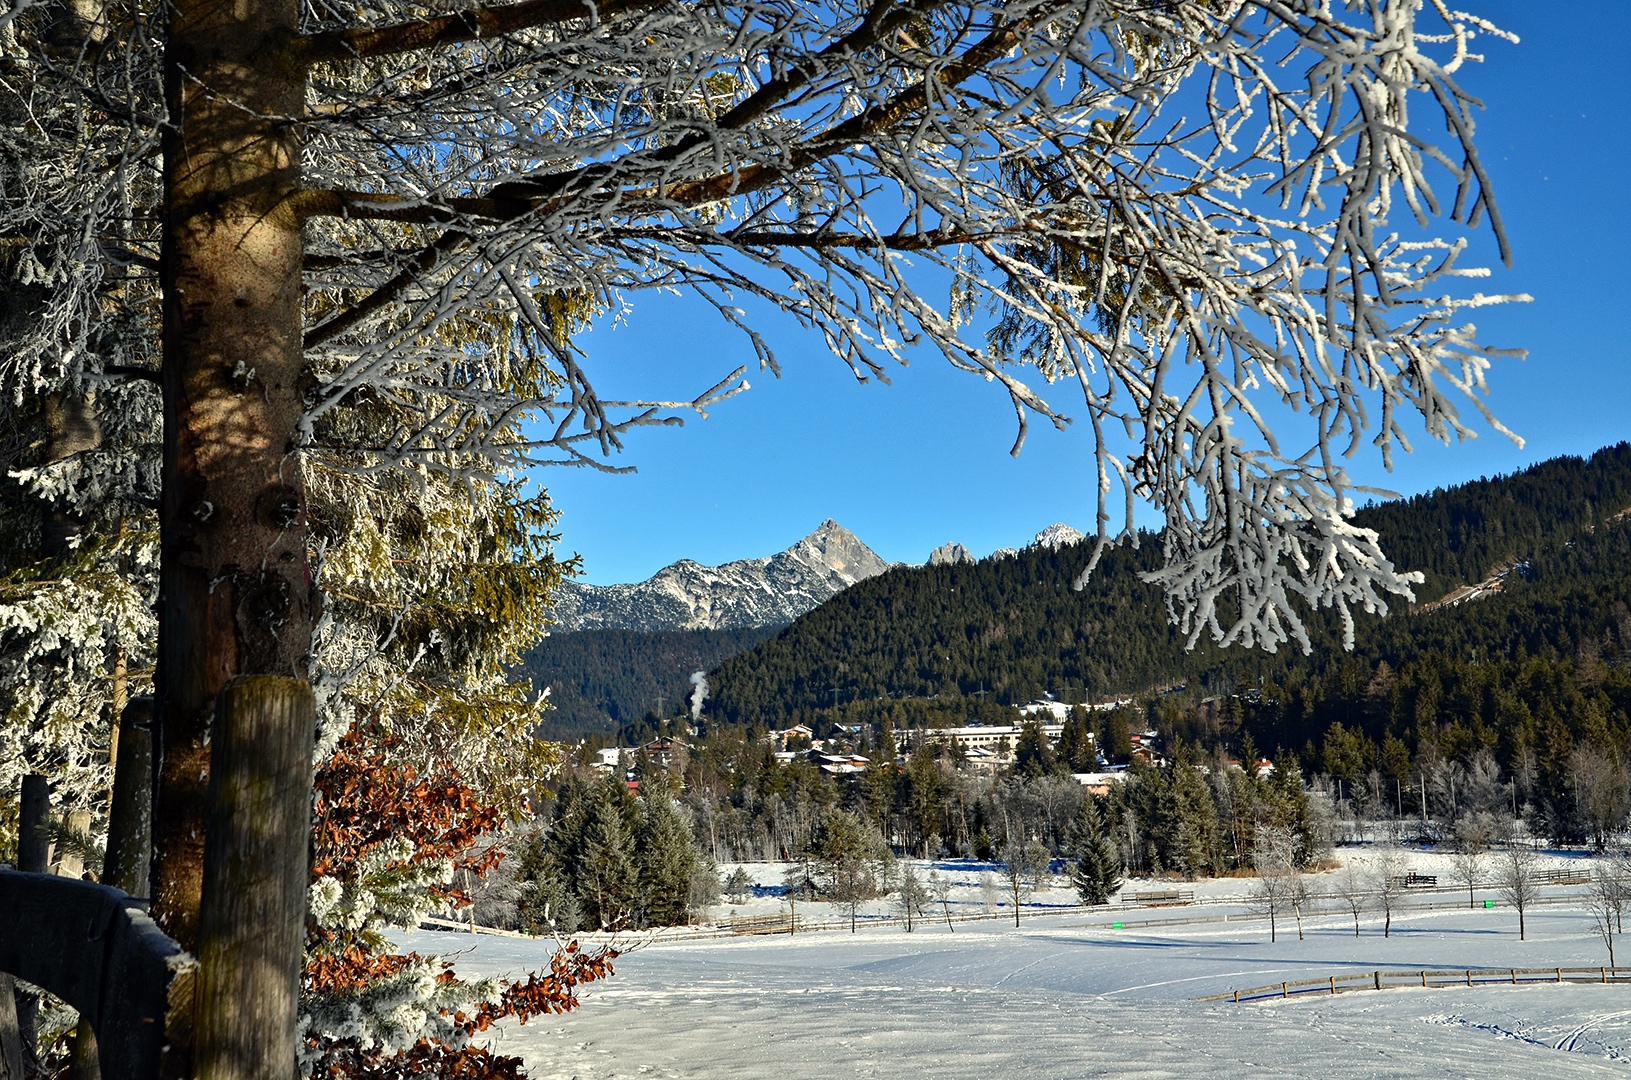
x=1011, y=630
x=604, y=680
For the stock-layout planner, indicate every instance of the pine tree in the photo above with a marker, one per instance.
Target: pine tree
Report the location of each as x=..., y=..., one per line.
x=1095, y=873
x=666, y=862
x=606, y=874
x=923, y=797
x=738, y=883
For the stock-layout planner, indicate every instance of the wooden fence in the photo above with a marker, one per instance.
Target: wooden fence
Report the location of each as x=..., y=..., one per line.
x=1118, y=916
x=93, y=948
x=1393, y=980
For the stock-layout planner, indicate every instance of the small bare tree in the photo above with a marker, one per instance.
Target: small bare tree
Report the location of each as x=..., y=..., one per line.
x=911, y=897
x=1388, y=875
x=1610, y=891
x=1023, y=863
x=1517, y=879
x=1354, y=891
x=1300, y=895
x=1473, y=834
x=1274, y=858
x=940, y=889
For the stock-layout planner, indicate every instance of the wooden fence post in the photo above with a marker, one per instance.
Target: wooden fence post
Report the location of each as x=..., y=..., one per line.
x=253, y=909
x=69, y=860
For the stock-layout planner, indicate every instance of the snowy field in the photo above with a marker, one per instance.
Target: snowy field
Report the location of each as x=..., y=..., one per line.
x=1066, y=996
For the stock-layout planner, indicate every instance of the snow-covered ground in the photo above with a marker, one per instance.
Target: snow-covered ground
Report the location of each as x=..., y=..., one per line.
x=1066, y=996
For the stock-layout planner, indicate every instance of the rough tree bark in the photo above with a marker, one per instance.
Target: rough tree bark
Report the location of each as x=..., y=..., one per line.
x=236, y=593
x=252, y=923
x=130, y=821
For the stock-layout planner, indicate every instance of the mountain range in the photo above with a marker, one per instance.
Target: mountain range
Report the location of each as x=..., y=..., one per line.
x=1533, y=565
x=621, y=651
x=739, y=595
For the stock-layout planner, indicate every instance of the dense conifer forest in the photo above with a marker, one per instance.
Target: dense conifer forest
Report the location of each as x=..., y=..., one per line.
x=601, y=680
x=1528, y=673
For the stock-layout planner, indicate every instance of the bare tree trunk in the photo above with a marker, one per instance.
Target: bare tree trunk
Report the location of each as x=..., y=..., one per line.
x=236, y=594
x=130, y=823
x=256, y=873
x=33, y=857
x=33, y=837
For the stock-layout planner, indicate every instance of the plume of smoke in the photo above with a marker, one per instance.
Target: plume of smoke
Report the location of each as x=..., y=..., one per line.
x=699, y=695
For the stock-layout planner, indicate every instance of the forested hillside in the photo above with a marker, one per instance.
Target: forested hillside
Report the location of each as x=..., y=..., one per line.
x=1014, y=628
x=600, y=680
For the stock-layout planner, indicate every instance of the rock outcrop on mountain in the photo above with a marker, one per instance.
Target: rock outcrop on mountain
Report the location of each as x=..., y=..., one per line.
x=1057, y=536
x=950, y=555
x=746, y=593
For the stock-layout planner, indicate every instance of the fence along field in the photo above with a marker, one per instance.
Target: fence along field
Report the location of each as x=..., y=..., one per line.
x=1393, y=980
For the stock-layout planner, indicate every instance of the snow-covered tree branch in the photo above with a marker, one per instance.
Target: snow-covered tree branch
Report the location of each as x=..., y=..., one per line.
x=1181, y=217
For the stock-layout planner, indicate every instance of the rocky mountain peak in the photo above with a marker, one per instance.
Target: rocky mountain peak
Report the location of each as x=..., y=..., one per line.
x=685, y=595
x=840, y=551
x=950, y=555
x=1056, y=536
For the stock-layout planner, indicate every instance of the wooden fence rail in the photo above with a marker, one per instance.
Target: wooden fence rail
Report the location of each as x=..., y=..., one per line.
x=1392, y=980
x=1105, y=916
x=93, y=948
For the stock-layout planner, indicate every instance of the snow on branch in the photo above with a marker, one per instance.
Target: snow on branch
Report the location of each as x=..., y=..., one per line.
x=1231, y=237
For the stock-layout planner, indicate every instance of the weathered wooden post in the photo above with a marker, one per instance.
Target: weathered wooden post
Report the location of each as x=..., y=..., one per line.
x=252, y=915
x=35, y=800
x=69, y=859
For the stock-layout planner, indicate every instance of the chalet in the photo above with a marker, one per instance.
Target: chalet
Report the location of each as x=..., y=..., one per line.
x=666, y=752
x=1098, y=783
x=841, y=764
x=799, y=734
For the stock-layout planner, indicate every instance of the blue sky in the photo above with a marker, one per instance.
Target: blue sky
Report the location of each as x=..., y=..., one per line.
x=912, y=465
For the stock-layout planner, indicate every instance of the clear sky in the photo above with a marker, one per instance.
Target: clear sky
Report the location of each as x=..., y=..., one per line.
x=912, y=465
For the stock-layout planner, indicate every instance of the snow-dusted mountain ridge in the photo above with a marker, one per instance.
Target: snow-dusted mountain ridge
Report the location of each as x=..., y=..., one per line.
x=1057, y=536
x=748, y=592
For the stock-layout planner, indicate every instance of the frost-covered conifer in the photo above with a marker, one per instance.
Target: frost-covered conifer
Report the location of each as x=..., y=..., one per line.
x=1175, y=211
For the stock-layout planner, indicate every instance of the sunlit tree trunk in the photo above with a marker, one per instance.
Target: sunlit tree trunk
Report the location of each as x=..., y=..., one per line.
x=236, y=590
